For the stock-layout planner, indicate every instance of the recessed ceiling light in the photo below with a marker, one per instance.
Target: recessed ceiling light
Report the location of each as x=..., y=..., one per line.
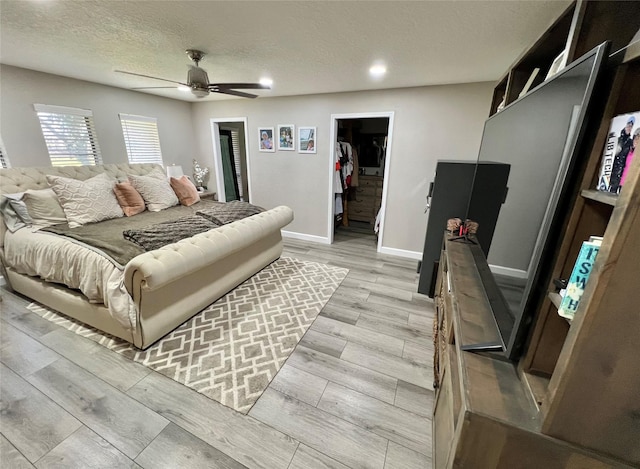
x=184, y=88
x=377, y=70
x=266, y=81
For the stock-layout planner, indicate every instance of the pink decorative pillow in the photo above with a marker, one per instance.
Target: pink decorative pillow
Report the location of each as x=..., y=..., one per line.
x=129, y=199
x=185, y=190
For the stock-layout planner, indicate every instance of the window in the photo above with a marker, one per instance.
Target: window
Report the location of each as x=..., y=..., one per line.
x=70, y=135
x=141, y=139
x=4, y=162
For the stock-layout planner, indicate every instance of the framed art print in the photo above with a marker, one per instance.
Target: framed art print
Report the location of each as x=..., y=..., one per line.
x=265, y=138
x=306, y=139
x=286, y=136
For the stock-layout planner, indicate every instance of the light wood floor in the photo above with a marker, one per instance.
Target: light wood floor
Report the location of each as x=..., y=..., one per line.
x=356, y=392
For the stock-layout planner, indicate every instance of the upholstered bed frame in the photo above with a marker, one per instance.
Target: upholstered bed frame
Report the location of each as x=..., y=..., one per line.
x=168, y=285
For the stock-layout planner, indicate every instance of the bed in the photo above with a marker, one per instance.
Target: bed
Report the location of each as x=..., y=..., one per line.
x=153, y=292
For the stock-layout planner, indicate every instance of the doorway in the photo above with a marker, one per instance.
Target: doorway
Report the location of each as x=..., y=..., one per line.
x=231, y=163
x=368, y=137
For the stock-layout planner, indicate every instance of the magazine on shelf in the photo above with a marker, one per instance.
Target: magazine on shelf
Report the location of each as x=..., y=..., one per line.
x=618, y=152
x=579, y=276
x=527, y=85
x=558, y=64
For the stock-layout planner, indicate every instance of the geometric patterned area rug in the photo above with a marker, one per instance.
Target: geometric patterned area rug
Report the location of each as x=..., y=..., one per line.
x=231, y=350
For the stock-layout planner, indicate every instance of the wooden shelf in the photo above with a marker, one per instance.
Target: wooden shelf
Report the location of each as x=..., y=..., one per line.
x=487, y=412
x=555, y=298
x=599, y=196
x=587, y=405
x=538, y=386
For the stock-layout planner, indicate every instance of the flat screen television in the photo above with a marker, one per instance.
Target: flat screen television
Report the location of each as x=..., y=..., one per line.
x=537, y=135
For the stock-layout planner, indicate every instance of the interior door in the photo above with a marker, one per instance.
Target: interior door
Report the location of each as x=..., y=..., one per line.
x=228, y=166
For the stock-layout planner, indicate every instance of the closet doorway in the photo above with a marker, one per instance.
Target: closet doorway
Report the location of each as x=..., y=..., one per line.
x=230, y=158
x=366, y=138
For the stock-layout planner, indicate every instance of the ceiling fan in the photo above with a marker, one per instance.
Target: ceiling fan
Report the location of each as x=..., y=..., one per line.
x=198, y=81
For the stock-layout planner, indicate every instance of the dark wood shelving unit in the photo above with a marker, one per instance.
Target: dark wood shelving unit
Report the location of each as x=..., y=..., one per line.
x=574, y=391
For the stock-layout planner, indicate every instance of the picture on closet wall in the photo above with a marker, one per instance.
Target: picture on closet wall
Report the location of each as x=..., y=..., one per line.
x=286, y=135
x=265, y=136
x=306, y=139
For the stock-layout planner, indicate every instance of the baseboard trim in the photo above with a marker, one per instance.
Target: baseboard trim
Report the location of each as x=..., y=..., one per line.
x=306, y=237
x=401, y=253
x=508, y=271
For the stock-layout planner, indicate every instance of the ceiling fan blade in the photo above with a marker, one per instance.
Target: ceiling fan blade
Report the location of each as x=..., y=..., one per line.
x=148, y=76
x=233, y=93
x=240, y=86
x=154, y=87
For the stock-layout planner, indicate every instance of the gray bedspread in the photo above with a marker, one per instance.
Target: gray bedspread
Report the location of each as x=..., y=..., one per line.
x=107, y=236
x=122, y=239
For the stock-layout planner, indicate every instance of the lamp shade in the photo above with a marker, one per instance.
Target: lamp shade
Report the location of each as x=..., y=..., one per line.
x=174, y=171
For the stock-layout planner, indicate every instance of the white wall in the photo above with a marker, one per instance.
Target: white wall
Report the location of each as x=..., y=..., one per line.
x=430, y=123
x=20, y=128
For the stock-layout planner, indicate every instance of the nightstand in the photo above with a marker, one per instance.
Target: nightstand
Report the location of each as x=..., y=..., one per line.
x=208, y=195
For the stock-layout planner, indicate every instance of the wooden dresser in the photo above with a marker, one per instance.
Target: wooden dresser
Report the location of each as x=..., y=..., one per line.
x=368, y=199
x=486, y=411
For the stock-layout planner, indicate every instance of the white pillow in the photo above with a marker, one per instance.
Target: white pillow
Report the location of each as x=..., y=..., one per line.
x=156, y=192
x=44, y=207
x=87, y=201
x=14, y=211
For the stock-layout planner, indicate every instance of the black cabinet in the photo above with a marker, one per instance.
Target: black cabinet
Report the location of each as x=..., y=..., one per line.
x=450, y=192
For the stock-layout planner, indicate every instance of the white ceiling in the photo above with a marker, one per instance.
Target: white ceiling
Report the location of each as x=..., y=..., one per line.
x=306, y=47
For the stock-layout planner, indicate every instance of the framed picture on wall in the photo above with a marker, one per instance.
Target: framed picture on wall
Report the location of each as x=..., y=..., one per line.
x=265, y=139
x=306, y=139
x=286, y=136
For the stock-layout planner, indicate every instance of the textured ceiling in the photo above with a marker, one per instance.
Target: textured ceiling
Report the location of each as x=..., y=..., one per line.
x=306, y=47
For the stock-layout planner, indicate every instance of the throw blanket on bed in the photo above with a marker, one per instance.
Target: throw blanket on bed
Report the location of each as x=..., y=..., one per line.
x=121, y=239
x=106, y=236
x=161, y=234
x=231, y=211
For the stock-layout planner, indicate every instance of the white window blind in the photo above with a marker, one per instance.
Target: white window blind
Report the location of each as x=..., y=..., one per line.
x=4, y=162
x=70, y=135
x=141, y=139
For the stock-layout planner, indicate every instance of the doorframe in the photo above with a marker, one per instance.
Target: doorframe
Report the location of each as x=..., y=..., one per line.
x=217, y=153
x=332, y=167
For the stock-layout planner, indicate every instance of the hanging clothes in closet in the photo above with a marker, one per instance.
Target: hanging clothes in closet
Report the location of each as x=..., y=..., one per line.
x=344, y=170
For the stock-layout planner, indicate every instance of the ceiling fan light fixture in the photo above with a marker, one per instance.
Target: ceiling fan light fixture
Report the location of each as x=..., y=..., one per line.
x=266, y=81
x=198, y=81
x=199, y=92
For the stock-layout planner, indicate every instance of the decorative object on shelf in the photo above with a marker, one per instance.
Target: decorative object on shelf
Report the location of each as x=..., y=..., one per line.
x=306, y=140
x=527, y=85
x=265, y=139
x=199, y=174
x=286, y=134
x=174, y=171
x=471, y=227
x=558, y=64
x=579, y=276
x=619, y=150
x=453, y=225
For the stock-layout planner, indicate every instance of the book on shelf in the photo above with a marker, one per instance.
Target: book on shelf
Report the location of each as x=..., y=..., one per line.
x=619, y=150
x=579, y=276
x=527, y=85
x=558, y=64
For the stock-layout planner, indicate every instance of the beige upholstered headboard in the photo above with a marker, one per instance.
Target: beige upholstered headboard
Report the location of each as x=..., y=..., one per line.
x=14, y=180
